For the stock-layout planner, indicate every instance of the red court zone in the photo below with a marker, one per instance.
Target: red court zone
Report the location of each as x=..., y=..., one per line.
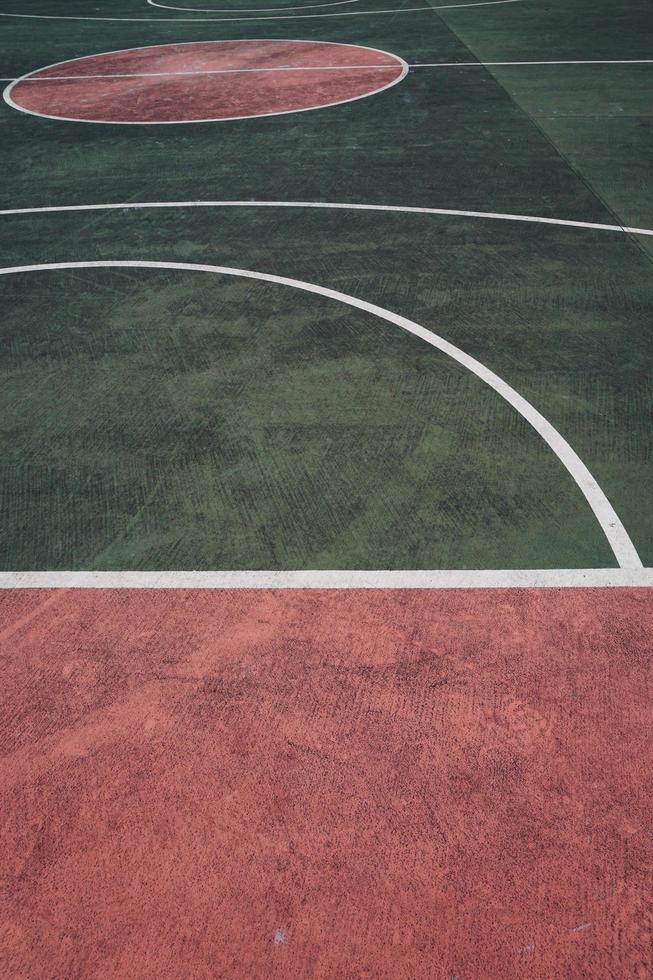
x=206, y=81
x=271, y=784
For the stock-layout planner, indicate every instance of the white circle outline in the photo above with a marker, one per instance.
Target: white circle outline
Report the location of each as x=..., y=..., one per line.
x=190, y=122
x=607, y=518
x=249, y=10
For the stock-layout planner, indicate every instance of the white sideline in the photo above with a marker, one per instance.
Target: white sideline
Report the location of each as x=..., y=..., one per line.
x=231, y=20
x=326, y=205
x=616, y=534
x=562, y=578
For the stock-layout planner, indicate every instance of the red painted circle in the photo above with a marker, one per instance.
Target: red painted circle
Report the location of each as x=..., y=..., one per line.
x=205, y=80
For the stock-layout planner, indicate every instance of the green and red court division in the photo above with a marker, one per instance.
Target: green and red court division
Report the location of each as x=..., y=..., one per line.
x=326, y=537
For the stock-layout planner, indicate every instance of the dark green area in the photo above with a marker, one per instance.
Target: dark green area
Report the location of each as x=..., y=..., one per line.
x=160, y=419
x=181, y=420
x=598, y=116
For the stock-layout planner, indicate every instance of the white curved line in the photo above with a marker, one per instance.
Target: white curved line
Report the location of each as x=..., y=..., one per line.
x=558, y=578
x=251, y=10
x=325, y=205
x=615, y=532
x=231, y=20
x=190, y=122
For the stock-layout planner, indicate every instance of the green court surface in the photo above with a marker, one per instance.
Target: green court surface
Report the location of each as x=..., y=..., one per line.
x=180, y=419
x=326, y=538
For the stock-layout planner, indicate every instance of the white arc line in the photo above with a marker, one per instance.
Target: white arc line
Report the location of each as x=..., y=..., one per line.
x=615, y=532
x=231, y=20
x=560, y=578
x=326, y=205
x=251, y=10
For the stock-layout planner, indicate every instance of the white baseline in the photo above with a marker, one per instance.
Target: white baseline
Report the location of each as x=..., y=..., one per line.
x=559, y=578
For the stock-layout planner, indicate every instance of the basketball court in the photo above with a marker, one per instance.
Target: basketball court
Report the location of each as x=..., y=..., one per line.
x=326, y=587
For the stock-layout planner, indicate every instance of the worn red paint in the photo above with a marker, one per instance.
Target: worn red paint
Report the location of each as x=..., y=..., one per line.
x=155, y=92
x=326, y=784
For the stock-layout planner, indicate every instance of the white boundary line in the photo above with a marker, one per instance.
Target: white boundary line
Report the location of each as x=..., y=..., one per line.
x=231, y=20
x=208, y=71
x=325, y=205
x=616, y=534
x=251, y=10
x=563, y=578
x=401, y=64
x=510, y=64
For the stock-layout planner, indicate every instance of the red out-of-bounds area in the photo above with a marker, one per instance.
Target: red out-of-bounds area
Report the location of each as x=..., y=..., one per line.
x=205, y=81
x=325, y=783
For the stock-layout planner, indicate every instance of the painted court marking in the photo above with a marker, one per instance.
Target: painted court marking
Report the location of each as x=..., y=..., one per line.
x=207, y=71
x=222, y=87
x=536, y=578
x=562, y=578
x=511, y=64
x=251, y=10
x=325, y=205
x=229, y=71
x=231, y=20
x=207, y=81
x=616, y=534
